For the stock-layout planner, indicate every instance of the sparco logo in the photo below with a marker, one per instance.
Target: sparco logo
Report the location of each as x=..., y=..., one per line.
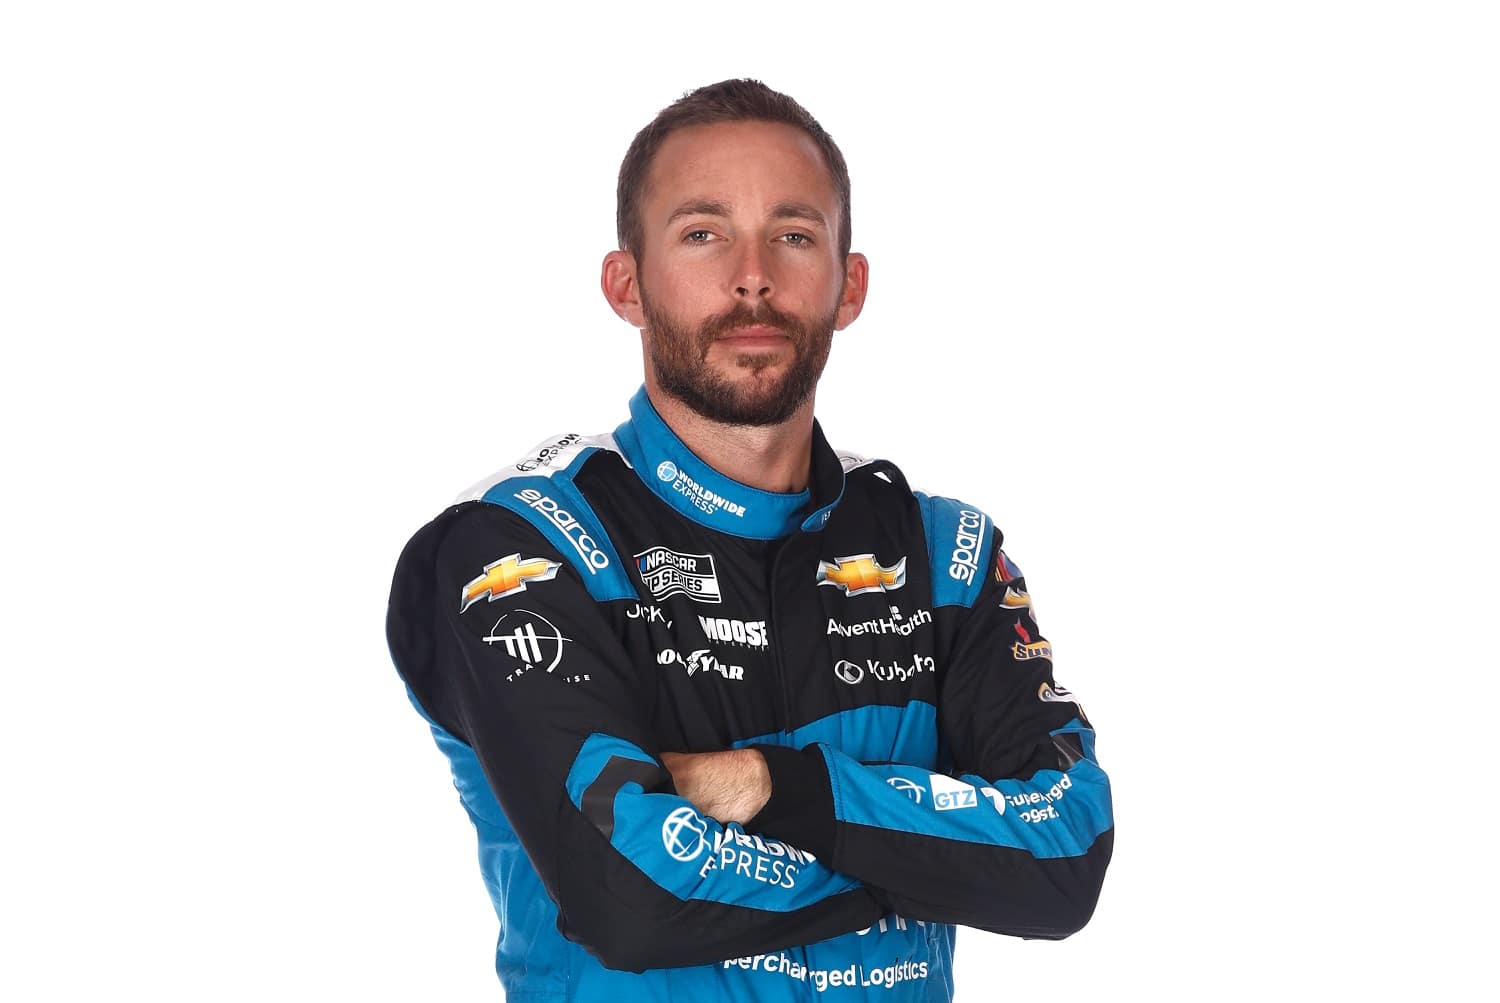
x=684, y=834
x=967, y=545
x=668, y=573
x=750, y=633
x=547, y=454
x=854, y=673
x=593, y=558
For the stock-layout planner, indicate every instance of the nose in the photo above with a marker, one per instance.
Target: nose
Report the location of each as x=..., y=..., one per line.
x=752, y=276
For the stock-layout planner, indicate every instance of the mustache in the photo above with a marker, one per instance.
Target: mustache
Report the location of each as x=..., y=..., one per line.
x=742, y=315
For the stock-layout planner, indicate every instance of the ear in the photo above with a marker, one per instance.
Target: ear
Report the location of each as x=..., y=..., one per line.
x=856, y=281
x=621, y=288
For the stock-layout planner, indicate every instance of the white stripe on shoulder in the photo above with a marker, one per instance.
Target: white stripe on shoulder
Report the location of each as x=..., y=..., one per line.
x=852, y=461
x=542, y=460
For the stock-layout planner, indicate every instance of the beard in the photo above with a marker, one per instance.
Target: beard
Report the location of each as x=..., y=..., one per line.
x=679, y=357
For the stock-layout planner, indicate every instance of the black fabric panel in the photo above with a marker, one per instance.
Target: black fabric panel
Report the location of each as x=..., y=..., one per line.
x=993, y=888
x=599, y=797
x=800, y=809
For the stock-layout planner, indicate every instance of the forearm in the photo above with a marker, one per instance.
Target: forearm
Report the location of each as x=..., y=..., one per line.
x=731, y=786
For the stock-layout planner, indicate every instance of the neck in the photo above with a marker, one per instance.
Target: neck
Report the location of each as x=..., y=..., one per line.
x=771, y=458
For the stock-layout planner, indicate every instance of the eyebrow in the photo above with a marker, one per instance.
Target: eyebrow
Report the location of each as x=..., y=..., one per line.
x=718, y=207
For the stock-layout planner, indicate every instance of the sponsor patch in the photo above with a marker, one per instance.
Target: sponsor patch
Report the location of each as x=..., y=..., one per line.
x=1015, y=598
x=668, y=573
x=506, y=577
x=684, y=834
x=1054, y=694
x=530, y=639
x=697, y=495
x=854, y=673
x=910, y=788
x=893, y=624
x=594, y=559
x=703, y=661
x=1026, y=648
x=545, y=455
x=758, y=858
x=820, y=980
x=861, y=573
x=1005, y=569
x=967, y=544
x=949, y=794
x=1038, y=807
x=747, y=633
x=648, y=613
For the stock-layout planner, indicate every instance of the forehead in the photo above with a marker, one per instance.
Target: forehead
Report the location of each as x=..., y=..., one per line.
x=742, y=163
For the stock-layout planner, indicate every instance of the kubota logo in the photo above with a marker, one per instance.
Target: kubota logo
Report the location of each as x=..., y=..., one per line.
x=506, y=577
x=862, y=573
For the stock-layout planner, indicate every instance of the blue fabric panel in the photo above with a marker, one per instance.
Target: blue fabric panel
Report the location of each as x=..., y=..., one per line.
x=557, y=509
x=1053, y=814
x=529, y=947
x=959, y=542
x=880, y=733
x=695, y=857
x=676, y=475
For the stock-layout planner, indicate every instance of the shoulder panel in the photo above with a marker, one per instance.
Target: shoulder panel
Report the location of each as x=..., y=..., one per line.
x=548, y=457
x=540, y=489
x=959, y=545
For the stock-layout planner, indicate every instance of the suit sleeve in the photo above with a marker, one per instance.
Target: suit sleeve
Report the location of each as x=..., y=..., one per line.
x=1016, y=835
x=519, y=663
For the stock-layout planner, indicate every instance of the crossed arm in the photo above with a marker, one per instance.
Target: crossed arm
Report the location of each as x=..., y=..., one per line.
x=731, y=786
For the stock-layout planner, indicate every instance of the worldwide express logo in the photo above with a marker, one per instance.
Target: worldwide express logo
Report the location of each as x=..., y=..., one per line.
x=861, y=573
x=700, y=496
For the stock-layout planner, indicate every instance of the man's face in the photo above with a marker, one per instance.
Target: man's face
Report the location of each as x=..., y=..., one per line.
x=741, y=284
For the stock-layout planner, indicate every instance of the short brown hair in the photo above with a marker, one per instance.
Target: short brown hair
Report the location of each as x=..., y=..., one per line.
x=726, y=101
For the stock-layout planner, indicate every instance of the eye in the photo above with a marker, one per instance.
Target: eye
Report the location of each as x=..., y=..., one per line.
x=698, y=236
x=797, y=239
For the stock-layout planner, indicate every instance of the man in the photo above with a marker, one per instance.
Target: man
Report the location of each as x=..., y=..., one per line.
x=737, y=716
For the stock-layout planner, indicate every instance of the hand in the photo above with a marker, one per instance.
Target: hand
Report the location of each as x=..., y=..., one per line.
x=731, y=786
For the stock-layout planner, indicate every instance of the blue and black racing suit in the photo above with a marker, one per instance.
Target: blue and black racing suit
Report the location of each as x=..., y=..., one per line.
x=610, y=598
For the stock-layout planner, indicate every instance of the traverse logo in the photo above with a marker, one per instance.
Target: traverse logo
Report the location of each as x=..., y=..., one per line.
x=529, y=638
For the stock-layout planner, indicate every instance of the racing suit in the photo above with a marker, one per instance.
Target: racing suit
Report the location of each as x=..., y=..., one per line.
x=610, y=598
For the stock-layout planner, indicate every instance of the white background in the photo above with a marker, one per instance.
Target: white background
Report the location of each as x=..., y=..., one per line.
x=1198, y=300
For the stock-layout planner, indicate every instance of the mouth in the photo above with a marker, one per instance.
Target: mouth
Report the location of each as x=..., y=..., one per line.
x=753, y=336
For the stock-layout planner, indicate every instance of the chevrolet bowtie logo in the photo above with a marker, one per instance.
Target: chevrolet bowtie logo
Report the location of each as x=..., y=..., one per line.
x=506, y=577
x=860, y=574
